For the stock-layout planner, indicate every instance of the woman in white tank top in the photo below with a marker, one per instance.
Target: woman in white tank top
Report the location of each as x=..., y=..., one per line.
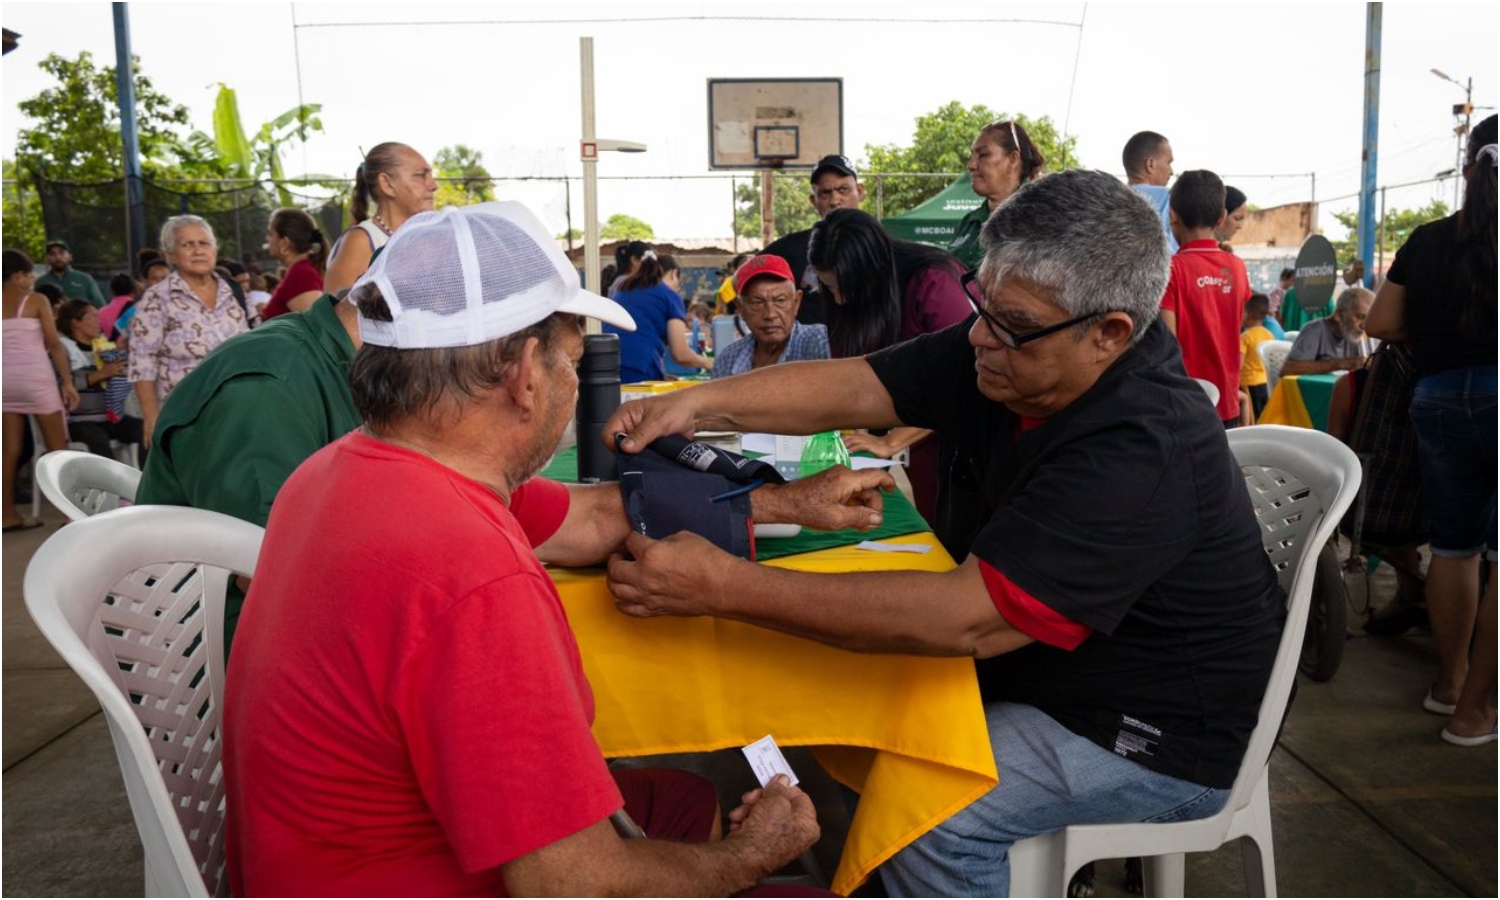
x=399, y=183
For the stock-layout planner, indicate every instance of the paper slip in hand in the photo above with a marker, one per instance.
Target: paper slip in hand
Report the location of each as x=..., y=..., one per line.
x=885, y=547
x=766, y=759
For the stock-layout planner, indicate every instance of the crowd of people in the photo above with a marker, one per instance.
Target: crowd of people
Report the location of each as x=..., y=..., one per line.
x=1063, y=372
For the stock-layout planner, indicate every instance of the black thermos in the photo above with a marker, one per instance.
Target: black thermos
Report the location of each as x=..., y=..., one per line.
x=598, y=398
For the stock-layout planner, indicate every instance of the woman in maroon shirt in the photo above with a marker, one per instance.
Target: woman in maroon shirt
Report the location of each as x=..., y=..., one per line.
x=294, y=239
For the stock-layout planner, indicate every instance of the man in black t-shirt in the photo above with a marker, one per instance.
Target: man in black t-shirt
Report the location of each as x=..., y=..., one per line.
x=835, y=185
x=1116, y=594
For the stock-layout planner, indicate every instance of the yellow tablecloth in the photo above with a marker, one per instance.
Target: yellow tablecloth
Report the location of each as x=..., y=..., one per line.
x=907, y=732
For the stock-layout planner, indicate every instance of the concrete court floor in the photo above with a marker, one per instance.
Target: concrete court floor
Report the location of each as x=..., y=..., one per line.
x=1366, y=800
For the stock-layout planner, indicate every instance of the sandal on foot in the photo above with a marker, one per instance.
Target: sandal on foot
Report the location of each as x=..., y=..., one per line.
x=1434, y=705
x=1459, y=740
x=23, y=525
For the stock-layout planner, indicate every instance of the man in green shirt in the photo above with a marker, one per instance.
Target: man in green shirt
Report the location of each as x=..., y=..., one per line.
x=234, y=430
x=74, y=284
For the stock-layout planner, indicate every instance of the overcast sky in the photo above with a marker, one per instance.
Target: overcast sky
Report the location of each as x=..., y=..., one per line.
x=1249, y=90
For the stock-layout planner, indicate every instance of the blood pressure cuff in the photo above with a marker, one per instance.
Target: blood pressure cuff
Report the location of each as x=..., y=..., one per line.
x=680, y=485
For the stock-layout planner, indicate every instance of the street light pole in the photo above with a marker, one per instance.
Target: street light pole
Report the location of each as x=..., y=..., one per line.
x=589, y=149
x=1460, y=131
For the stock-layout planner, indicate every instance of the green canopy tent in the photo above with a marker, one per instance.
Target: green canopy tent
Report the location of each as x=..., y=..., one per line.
x=935, y=221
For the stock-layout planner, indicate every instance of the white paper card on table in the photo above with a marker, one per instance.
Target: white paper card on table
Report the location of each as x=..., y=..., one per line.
x=887, y=547
x=767, y=762
x=789, y=447
x=755, y=442
x=870, y=462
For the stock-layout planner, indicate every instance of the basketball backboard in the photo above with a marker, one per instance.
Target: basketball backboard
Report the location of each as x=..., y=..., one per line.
x=787, y=123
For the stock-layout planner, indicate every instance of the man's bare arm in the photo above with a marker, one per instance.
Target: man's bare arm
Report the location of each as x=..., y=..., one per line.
x=790, y=398
x=925, y=613
x=596, y=862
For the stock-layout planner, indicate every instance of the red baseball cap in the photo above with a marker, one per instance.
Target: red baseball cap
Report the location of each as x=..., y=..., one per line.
x=756, y=266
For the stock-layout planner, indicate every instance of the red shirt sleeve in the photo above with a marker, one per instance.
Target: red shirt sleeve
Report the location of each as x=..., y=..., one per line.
x=1029, y=615
x=540, y=505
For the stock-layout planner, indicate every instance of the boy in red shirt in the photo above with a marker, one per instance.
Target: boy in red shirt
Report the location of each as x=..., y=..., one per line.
x=1205, y=300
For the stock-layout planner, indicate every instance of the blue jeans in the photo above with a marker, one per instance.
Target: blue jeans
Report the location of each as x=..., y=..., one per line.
x=1453, y=414
x=1050, y=778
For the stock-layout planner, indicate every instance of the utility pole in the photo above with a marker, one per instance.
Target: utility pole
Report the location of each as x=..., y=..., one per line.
x=135, y=206
x=1371, y=142
x=1464, y=110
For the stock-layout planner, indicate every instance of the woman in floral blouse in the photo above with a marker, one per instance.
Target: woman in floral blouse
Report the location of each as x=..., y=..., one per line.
x=181, y=319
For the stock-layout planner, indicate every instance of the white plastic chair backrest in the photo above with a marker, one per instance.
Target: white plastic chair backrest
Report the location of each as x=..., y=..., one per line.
x=133, y=601
x=1291, y=336
x=1273, y=354
x=1301, y=483
x=1209, y=388
x=82, y=484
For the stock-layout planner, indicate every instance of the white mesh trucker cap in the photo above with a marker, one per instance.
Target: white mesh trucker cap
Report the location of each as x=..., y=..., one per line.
x=468, y=275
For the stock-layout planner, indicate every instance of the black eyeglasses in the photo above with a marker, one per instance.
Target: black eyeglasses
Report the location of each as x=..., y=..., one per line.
x=1012, y=340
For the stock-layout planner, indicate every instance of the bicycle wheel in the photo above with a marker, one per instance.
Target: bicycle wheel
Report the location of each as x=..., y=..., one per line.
x=1327, y=619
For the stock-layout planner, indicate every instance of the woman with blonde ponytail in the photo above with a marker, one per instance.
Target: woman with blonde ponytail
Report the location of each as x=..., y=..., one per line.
x=293, y=238
x=398, y=182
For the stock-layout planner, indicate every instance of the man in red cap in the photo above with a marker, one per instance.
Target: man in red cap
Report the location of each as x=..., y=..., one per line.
x=769, y=301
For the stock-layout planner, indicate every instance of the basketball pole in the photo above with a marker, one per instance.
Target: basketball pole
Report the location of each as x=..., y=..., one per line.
x=767, y=207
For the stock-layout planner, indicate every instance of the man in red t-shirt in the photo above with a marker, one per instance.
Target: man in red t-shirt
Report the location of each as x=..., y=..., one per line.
x=406, y=709
x=1205, y=299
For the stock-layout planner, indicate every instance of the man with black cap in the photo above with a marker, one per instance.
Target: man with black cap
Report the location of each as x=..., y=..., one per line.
x=74, y=284
x=835, y=185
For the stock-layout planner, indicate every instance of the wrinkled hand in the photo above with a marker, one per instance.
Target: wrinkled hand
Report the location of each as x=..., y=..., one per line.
x=674, y=576
x=643, y=421
x=861, y=441
x=778, y=821
x=833, y=499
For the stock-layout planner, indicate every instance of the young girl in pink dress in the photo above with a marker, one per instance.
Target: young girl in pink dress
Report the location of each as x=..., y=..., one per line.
x=30, y=380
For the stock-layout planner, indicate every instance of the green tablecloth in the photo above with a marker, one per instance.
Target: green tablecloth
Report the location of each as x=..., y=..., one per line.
x=900, y=518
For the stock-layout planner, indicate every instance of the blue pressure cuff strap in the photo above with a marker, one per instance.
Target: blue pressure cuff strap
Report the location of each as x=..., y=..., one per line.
x=680, y=485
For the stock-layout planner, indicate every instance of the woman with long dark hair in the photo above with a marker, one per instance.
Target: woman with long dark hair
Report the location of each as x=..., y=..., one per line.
x=1440, y=297
x=883, y=291
x=398, y=181
x=293, y=237
x=660, y=322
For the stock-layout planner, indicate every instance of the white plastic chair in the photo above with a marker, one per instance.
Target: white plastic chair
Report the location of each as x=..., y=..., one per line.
x=1273, y=354
x=133, y=601
x=81, y=484
x=1292, y=336
x=1211, y=389
x=1301, y=483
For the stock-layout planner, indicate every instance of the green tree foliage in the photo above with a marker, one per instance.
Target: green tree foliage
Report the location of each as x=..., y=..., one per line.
x=621, y=227
x=22, y=223
x=462, y=177
x=941, y=143
x=76, y=130
x=790, y=201
x=1399, y=224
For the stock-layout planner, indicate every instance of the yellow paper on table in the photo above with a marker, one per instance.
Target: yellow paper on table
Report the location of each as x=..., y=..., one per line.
x=908, y=732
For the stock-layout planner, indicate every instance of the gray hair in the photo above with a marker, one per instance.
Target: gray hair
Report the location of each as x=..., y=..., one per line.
x=1091, y=243
x=1350, y=298
x=175, y=224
